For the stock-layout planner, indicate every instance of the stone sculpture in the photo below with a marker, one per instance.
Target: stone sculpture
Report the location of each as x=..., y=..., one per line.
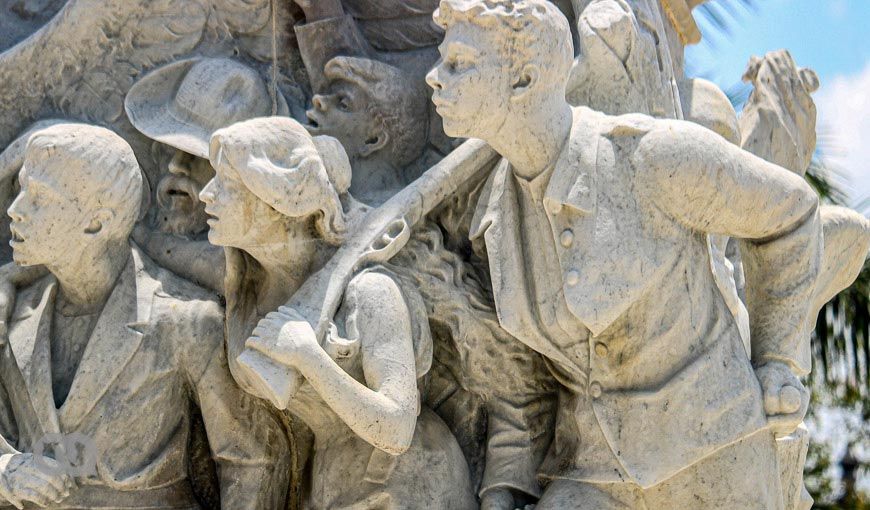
x=600, y=301
x=109, y=342
x=181, y=105
x=571, y=179
x=360, y=396
x=374, y=102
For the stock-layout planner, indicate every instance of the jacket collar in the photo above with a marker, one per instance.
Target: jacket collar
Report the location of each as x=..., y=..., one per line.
x=116, y=337
x=573, y=182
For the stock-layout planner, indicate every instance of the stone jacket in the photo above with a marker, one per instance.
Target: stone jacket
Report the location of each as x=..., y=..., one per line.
x=660, y=378
x=155, y=354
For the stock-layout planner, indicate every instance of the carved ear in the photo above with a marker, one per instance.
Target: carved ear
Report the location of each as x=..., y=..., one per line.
x=752, y=69
x=527, y=79
x=810, y=80
x=376, y=142
x=98, y=221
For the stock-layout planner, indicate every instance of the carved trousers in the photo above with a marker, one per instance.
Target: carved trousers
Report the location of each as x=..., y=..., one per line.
x=742, y=476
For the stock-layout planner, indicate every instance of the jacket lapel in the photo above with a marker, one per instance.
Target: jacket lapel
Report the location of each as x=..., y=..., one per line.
x=573, y=182
x=117, y=335
x=29, y=341
x=497, y=221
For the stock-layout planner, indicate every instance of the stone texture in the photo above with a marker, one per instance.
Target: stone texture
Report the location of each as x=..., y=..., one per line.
x=277, y=276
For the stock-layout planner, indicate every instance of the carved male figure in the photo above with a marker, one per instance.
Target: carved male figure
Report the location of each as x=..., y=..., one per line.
x=595, y=230
x=181, y=105
x=111, y=348
x=373, y=102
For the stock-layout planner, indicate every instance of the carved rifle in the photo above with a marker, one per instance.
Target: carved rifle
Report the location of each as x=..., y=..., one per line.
x=381, y=234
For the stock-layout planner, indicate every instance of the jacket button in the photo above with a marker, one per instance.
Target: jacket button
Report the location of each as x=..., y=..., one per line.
x=601, y=349
x=567, y=238
x=595, y=390
x=554, y=206
x=572, y=278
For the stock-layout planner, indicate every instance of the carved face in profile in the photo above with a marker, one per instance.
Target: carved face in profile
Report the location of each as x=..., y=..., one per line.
x=236, y=216
x=343, y=112
x=472, y=82
x=54, y=214
x=180, y=211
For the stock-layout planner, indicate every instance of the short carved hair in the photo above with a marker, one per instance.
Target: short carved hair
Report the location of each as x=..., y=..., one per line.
x=399, y=104
x=533, y=30
x=99, y=157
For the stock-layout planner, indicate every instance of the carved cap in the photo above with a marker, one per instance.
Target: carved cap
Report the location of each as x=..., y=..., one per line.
x=183, y=103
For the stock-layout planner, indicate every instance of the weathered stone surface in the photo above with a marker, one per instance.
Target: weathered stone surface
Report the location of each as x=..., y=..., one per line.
x=255, y=264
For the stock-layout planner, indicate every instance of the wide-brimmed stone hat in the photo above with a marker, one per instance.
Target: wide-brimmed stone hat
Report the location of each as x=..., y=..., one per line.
x=183, y=103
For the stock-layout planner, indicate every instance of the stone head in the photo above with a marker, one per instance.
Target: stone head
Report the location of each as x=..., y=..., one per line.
x=374, y=109
x=272, y=176
x=181, y=105
x=499, y=59
x=81, y=188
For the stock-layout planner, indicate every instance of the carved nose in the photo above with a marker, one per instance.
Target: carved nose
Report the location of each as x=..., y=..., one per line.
x=13, y=213
x=13, y=210
x=180, y=164
x=432, y=79
x=319, y=102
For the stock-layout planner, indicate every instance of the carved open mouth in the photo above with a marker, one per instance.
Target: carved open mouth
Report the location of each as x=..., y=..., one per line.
x=313, y=123
x=173, y=189
x=174, y=193
x=16, y=236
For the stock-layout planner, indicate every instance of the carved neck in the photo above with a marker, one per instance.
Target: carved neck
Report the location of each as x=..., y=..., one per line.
x=532, y=142
x=285, y=257
x=87, y=284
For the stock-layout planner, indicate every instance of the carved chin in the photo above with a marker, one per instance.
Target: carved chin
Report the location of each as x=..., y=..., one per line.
x=458, y=128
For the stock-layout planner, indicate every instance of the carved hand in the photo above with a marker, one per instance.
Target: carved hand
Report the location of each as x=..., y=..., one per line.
x=285, y=336
x=786, y=399
x=320, y=9
x=26, y=479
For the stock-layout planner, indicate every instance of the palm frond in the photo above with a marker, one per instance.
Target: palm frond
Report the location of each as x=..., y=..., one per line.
x=717, y=18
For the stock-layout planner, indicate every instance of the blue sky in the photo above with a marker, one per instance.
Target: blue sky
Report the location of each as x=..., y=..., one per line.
x=830, y=36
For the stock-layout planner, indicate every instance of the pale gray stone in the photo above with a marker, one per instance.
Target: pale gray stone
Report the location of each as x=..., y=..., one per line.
x=553, y=313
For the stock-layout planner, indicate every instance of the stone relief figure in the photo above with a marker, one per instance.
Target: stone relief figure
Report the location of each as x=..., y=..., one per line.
x=778, y=122
x=112, y=350
x=180, y=105
x=375, y=103
x=279, y=205
x=595, y=228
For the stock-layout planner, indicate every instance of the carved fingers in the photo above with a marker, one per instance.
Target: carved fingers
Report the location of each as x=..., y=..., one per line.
x=284, y=336
x=28, y=479
x=786, y=399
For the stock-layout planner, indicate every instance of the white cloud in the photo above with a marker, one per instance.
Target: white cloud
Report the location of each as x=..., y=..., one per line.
x=844, y=127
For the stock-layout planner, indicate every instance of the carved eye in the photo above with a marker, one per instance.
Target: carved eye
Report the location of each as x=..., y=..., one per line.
x=343, y=104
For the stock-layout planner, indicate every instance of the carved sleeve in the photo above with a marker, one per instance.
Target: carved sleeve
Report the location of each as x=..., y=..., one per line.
x=713, y=187
x=246, y=439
